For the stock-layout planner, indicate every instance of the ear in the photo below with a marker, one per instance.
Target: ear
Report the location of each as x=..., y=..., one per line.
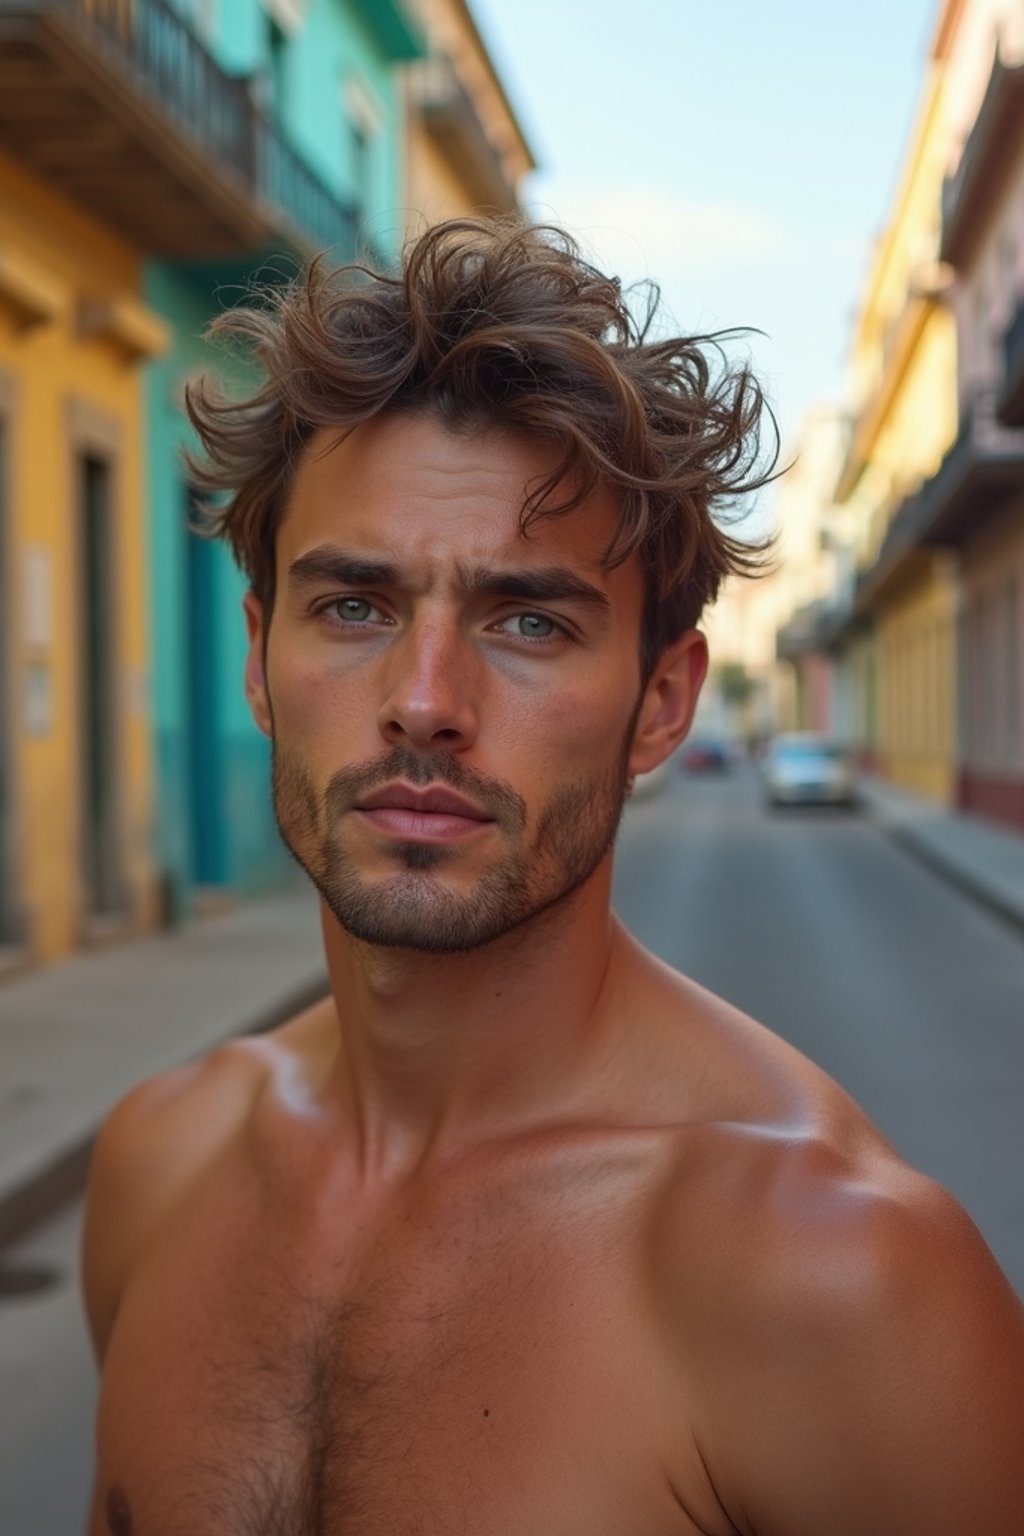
x=669, y=701
x=255, y=669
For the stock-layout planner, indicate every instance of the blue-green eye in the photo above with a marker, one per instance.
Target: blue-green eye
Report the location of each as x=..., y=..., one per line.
x=533, y=626
x=356, y=609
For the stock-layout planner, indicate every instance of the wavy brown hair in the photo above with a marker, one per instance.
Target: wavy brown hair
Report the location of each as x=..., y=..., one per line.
x=500, y=323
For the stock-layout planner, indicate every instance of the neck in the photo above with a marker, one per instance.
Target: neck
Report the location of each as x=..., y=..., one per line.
x=445, y=1050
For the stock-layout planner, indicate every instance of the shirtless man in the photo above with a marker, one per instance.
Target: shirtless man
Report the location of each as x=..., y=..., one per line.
x=518, y=1232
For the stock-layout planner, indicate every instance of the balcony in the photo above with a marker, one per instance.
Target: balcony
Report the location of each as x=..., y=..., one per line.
x=983, y=467
x=968, y=196
x=817, y=629
x=118, y=104
x=450, y=115
x=799, y=635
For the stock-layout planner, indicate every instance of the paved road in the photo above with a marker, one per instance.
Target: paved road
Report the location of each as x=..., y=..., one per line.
x=47, y=1389
x=896, y=984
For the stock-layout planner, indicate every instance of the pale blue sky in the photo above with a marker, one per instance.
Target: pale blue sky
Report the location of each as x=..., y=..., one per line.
x=741, y=153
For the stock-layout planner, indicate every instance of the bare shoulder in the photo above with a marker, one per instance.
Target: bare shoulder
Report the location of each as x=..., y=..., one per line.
x=155, y=1145
x=860, y=1353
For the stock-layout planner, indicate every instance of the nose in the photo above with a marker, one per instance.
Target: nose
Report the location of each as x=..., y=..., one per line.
x=430, y=689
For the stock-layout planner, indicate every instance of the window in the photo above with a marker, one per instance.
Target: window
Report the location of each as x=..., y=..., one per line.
x=363, y=117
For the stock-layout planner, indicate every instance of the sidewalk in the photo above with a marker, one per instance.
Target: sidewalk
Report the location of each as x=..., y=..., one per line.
x=77, y=1035
x=984, y=859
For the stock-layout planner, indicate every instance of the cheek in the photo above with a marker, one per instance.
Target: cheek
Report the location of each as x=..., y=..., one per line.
x=576, y=731
x=312, y=705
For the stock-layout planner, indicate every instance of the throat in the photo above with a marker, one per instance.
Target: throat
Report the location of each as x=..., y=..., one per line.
x=454, y=1048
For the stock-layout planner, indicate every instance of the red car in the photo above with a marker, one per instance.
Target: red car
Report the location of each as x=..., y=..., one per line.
x=705, y=756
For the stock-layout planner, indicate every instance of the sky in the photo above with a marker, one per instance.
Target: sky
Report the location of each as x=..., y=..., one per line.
x=742, y=154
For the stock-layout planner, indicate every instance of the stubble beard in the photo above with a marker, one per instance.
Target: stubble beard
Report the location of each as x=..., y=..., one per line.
x=412, y=910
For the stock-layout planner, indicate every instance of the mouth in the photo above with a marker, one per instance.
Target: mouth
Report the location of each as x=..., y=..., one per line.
x=434, y=814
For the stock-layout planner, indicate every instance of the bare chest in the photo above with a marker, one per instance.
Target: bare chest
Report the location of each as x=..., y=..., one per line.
x=473, y=1380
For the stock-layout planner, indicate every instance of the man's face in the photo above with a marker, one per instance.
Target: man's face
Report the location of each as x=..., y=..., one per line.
x=452, y=706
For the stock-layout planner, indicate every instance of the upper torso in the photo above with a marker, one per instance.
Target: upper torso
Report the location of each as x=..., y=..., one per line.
x=486, y=1353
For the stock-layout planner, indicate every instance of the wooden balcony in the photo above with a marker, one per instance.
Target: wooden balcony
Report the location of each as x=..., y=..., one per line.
x=119, y=105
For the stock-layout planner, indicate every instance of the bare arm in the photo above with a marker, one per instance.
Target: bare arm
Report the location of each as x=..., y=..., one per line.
x=874, y=1379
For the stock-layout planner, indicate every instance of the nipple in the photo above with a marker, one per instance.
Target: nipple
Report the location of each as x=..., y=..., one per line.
x=119, y=1514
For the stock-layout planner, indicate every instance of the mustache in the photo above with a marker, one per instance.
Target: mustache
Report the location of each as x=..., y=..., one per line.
x=498, y=800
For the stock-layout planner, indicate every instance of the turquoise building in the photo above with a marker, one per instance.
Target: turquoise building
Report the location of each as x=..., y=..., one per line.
x=290, y=111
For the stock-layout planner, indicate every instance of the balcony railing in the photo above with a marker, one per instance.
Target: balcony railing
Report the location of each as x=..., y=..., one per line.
x=290, y=185
x=120, y=104
x=169, y=63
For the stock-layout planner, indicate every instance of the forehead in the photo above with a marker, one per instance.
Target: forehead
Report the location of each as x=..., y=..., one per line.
x=410, y=487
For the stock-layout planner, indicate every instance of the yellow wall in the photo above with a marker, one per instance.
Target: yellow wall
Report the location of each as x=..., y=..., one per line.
x=52, y=372
x=905, y=384
x=917, y=660
x=916, y=431
x=435, y=189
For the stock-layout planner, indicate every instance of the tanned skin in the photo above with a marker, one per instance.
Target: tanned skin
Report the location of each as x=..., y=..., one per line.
x=538, y=1237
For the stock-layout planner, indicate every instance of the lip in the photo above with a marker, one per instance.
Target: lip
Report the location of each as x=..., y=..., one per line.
x=433, y=801
x=422, y=815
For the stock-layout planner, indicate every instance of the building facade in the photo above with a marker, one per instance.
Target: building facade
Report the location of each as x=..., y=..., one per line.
x=897, y=647
x=979, y=504
x=76, y=861
x=808, y=575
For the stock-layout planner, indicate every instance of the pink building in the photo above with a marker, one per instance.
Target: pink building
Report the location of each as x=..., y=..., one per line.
x=982, y=514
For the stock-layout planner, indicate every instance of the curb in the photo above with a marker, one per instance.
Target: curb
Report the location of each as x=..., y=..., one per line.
x=62, y=1177
x=979, y=890
x=903, y=831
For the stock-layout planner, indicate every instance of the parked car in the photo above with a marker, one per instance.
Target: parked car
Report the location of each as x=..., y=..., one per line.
x=802, y=768
x=705, y=754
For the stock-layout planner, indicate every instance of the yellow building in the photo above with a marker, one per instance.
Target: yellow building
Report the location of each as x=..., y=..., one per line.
x=900, y=652
x=75, y=862
x=465, y=149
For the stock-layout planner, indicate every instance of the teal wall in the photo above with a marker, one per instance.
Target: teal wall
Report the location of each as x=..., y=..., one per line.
x=214, y=821
x=210, y=739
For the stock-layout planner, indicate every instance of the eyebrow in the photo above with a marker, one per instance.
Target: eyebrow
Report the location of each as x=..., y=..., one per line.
x=548, y=583
x=329, y=563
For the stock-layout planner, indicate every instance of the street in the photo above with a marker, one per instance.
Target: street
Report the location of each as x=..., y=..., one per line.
x=912, y=997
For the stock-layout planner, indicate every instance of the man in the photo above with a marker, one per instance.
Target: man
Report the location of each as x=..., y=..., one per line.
x=518, y=1231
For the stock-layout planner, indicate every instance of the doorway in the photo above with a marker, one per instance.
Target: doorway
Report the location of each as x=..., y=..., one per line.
x=100, y=846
